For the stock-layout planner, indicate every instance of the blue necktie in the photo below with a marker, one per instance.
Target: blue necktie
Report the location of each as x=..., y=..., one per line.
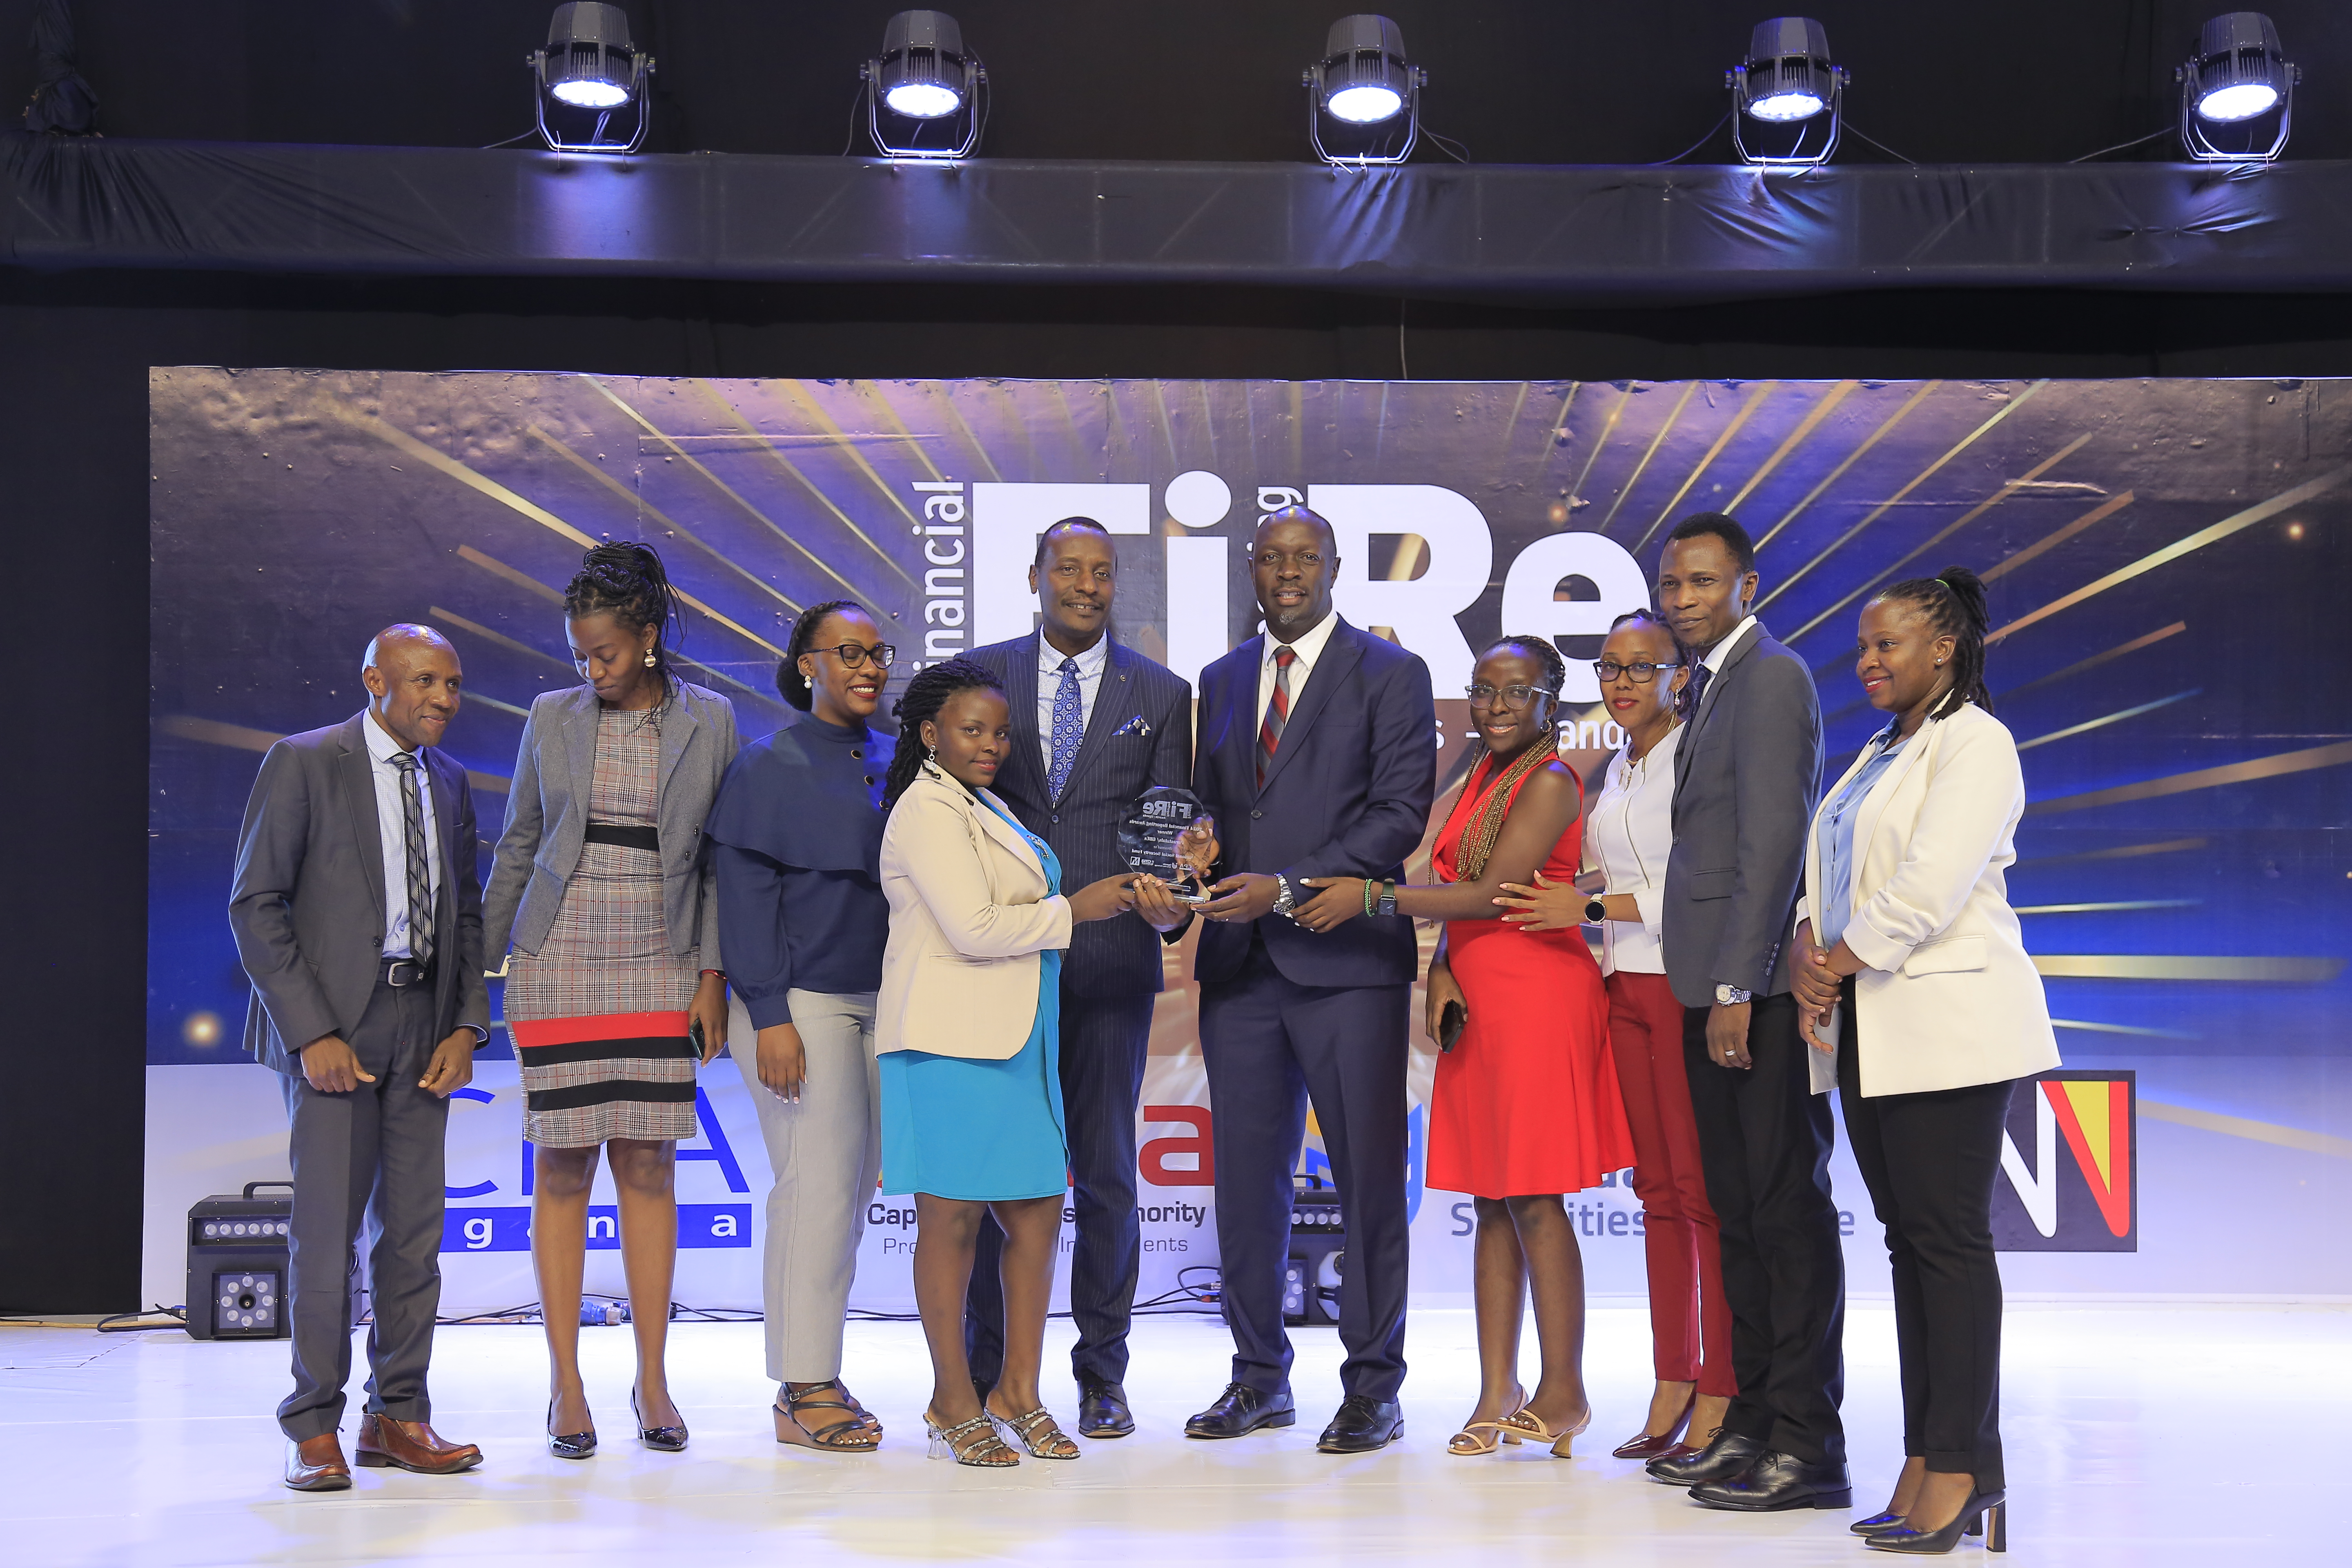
x=1069, y=729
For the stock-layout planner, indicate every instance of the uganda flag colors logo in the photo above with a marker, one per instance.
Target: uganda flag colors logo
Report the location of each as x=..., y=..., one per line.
x=2070, y=1166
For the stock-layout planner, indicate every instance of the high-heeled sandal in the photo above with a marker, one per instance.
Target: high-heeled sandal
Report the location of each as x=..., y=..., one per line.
x=986, y=1451
x=1649, y=1445
x=1528, y=1424
x=664, y=1439
x=569, y=1444
x=1467, y=1444
x=858, y=1435
x=1985, y=1513
x=1036, y=1431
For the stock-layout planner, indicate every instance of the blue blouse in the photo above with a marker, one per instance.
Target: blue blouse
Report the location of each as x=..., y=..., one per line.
x=797, y=836
x=1834, y=840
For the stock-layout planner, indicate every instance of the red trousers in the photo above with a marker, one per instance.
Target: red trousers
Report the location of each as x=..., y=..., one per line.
x=1687, y=1310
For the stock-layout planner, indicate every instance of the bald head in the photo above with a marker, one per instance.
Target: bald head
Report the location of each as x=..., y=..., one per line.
x=412, y=676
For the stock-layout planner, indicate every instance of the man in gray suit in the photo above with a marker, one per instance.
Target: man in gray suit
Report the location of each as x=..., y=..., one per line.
x=1745, y=778
x=359, y=919
x=1095, y=724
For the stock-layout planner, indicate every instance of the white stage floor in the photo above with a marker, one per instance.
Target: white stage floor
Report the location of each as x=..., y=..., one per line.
x=2137, y=1434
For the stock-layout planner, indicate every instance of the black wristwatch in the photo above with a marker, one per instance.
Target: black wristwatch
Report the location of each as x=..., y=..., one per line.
x=1386, y=903
x=1594, y=911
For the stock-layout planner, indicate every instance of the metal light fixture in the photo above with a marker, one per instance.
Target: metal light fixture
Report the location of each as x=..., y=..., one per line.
x=2239, y=74
x=1362, y=80
x=924, y=77
x=589, y=66
x=1786, y=78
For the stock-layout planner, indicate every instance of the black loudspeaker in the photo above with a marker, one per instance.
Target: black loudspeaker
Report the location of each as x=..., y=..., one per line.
x=1318, y=1252
x=237, y=1272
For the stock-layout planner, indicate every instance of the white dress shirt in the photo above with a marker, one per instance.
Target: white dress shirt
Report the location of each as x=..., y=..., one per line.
x=391, y=834
x=1308, y=648
x=1628, y=831
x=1722, y=650
x=1091, y=665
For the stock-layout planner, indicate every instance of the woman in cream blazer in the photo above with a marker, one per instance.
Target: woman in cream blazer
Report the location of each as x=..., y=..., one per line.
x=1910, y=969
x=967, y=1030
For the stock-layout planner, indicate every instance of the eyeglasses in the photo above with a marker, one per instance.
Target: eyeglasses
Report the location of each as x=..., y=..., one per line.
x=1482, y=694
x=851, y=655
x=1642, y=671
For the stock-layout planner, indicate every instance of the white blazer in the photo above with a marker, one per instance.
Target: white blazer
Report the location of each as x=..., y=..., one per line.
x=968, y=915
x=1949, y=998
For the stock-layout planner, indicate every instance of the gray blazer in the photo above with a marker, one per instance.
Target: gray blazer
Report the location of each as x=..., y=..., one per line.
x=1746, y=776
x=547, y=818
x=307, y=900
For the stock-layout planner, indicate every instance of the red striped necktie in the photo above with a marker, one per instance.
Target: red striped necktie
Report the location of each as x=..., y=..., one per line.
x=1278, y=711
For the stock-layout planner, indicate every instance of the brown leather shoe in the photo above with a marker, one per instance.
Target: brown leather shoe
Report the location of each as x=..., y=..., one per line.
x=316, y=1464
x=412, y=1446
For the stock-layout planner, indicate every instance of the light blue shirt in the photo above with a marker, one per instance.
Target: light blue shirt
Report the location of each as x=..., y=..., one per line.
x=392, y=834
x=1834, y=840
x=1091, y=665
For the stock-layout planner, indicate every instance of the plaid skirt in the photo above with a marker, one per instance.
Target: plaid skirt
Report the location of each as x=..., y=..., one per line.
x=599, y=1013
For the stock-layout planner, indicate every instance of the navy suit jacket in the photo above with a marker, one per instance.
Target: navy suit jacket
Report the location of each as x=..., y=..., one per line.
x=1138, y=737
x=1348, y=796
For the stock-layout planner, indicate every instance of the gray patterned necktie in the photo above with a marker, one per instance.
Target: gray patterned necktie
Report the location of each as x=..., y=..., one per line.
x=1069, y=730
x=420, y=880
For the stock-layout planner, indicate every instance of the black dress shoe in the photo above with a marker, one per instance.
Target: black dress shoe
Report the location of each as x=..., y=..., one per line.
x=1241, y=1409
x=1103, y=1412
x=1362, y=1425
x=1877, y=1524
x=1776, y=1481
x=1726, y=1456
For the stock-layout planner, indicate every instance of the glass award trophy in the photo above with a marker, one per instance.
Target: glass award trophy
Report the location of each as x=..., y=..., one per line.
x=1168, y=835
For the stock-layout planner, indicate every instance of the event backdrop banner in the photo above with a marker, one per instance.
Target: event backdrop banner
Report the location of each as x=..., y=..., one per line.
x=2166, y=561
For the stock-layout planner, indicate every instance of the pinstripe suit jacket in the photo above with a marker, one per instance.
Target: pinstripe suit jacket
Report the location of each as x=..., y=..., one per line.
x=1138, y=737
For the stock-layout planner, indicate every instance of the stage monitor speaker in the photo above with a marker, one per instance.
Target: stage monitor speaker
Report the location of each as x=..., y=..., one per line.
x=1319, y=1253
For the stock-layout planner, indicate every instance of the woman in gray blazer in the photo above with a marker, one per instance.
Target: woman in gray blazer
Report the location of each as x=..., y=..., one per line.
x=614, y=989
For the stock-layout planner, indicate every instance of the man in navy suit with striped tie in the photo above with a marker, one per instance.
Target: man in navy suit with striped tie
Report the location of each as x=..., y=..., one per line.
x=1095, y=724
x=1318, y=758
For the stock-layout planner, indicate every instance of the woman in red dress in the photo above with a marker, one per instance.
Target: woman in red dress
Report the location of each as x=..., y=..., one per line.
x=1525, y=1106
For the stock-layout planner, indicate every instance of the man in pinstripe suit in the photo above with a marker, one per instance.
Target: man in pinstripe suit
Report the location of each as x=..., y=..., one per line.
x=1095, y=724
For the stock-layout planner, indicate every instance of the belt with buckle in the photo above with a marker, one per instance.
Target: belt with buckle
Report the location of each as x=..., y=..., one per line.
x=402, y=973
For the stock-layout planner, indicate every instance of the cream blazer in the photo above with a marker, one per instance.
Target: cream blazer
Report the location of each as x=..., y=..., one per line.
x=1950, y=997
x=968, y=915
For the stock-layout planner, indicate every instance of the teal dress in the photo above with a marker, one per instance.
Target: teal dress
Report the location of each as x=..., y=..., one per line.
x=982, y=1131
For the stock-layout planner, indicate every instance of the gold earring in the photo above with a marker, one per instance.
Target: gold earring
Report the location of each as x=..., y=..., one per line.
x=651, y=662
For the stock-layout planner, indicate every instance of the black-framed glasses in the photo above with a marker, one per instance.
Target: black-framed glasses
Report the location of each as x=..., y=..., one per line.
x=1641, y=670
x=852, y=655
x=1516, y=695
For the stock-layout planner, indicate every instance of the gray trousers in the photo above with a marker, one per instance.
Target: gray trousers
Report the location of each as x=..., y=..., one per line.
x=827, y=1153
x=374, y=1158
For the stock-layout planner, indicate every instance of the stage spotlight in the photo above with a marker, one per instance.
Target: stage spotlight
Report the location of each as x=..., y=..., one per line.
x=1787, y=79
x=1364, y=80
x=589, y=65
x=924, y=76
x=2239, y=74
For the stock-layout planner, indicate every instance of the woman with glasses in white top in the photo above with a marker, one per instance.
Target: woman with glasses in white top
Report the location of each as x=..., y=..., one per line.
x=1629, y=831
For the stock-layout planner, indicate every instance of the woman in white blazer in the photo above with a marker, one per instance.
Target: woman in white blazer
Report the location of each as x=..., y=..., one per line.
x=1909, y=968
x=966, y=1029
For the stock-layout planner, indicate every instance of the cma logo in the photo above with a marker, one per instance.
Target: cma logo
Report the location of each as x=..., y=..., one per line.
x=2080, y=1190
x=977, y=541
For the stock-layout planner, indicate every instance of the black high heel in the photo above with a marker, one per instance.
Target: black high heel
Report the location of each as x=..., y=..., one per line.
x=667, y=1439
x=1877, y=1523
x=569, y=1444
x=1986, y=1514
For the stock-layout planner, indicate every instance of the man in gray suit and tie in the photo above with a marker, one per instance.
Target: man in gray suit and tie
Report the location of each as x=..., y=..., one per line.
x=1745, y=778
x=359, y=919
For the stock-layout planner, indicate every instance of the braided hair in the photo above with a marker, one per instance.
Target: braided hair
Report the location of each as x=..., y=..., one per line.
x=926, y=694
x=1953, y=601
x=626, y=581
x=790, y=682
x=1478, y=837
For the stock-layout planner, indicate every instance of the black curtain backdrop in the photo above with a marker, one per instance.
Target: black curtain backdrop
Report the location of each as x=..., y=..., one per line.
x=1100, y=79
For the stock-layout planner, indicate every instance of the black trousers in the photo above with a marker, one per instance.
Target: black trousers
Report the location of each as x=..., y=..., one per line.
x=1929, y=1162
x=1272, y=1046
x=1764, y=1141
x=1105, y=1041
x=372, y=1158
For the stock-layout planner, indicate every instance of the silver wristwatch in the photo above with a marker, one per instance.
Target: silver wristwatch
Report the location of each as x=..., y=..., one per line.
x=1285, y=900
x=1731, y=995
